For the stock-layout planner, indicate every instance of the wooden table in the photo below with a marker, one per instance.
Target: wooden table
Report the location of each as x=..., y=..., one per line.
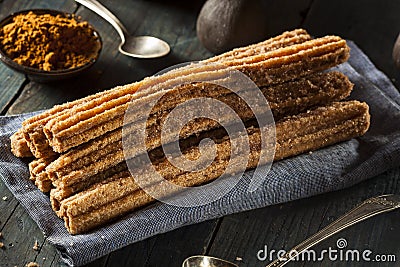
x=372, y=24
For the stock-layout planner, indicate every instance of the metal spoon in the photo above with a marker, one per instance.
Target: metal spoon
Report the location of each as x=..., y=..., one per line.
x=367, y=209
x=134, y=46
x=206, y=261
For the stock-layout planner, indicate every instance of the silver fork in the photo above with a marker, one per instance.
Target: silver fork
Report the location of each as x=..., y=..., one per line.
x=365, y=210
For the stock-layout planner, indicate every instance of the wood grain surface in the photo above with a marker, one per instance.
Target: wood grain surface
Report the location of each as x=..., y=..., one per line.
x=372, y=24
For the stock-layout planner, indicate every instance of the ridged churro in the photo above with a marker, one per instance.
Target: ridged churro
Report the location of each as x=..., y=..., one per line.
x=82, y=151
x=57, y=194
x=273, y=67
x=38, y=174
x=33, y=127
x=19, y=146
x=294, y=135
x=285, y=39
x=84, y=162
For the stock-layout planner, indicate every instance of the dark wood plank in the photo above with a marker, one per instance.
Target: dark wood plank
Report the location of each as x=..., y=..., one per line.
x=190, y=240
x=284, y=226
x=11, y=82
x=240, y=235
x=169, y=249
x=18, y=229
x=114, y=69
x=8, y=203
x=285, y=15
x=20, y=234
x=172, y=23
x=8, y=6
x=373, y=25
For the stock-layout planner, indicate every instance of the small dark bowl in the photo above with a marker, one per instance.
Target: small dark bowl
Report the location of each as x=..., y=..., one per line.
x=39, y=75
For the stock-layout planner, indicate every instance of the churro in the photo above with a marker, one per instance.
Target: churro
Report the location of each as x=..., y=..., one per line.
x=61, y=130
x=33, y=127
x=57, y=194
x=285, y=39
x=19, y=146
x=297, y=134
x=84, y=162
x=273, y=67
x=38, y=174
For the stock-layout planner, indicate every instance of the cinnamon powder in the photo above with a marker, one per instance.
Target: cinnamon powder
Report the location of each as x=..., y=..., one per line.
x=48, y=42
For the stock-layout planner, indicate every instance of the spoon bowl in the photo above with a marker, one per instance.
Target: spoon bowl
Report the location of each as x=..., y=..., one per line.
x=133, y=46
x=207, y=261
x=144, y=47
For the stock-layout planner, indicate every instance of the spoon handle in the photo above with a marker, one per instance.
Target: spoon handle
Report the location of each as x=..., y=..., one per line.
x=365, y=210
x=102, y=11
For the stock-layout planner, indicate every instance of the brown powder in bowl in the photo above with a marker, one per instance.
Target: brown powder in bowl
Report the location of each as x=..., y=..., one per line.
x=49, y=42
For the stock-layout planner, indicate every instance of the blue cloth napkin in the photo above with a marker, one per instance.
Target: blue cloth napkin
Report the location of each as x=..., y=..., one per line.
x=328, y=169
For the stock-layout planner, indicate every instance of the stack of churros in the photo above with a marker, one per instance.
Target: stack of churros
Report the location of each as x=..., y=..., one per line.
x=78, y=147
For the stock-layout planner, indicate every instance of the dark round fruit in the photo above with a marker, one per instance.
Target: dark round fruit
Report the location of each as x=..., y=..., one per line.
x=396, y=52
x=225, y=24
